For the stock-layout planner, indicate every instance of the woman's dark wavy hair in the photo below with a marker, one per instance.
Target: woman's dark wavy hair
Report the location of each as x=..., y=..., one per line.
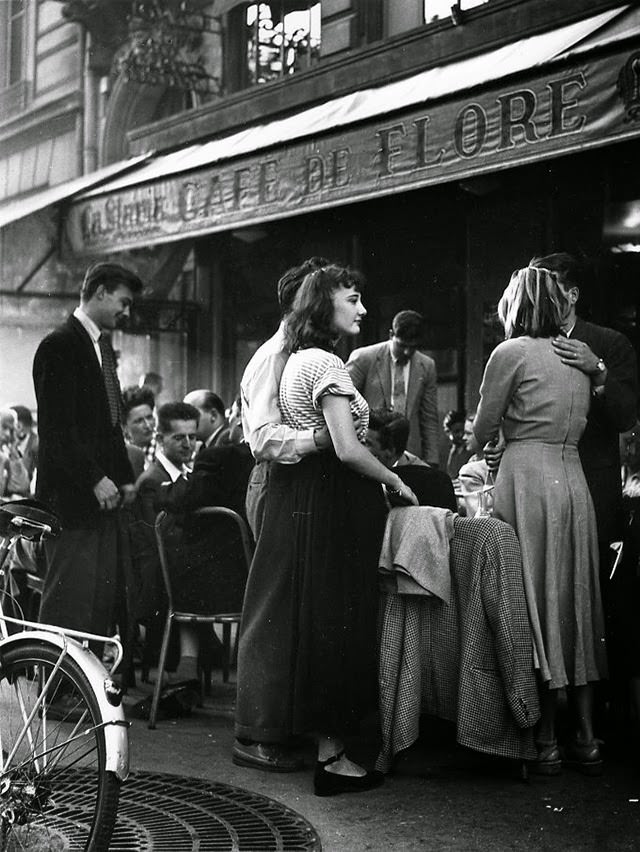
x=310, y=322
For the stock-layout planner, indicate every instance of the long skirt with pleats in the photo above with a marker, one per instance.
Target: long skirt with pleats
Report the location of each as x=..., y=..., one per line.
x=307, y=656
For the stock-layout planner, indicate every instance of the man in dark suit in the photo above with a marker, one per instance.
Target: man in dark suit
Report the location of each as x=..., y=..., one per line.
x=393, y=375
x=387, y=441
x=162, y=483
x=213, y=429
x=609, y=359
x=83, y=471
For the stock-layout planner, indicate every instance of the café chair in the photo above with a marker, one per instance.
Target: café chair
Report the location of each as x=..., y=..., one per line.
x=225, y=619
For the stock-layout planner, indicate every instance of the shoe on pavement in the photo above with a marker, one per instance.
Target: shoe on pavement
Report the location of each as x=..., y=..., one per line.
x=585, y=757
x=548, y=760
x=266, y=756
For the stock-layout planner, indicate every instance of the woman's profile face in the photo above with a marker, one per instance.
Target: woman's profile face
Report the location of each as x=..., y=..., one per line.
x=348, y=310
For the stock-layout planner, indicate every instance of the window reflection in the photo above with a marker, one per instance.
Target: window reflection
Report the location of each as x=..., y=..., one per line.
x=282, y=37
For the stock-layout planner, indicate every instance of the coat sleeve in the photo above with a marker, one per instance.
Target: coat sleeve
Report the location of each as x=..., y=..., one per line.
x=619, y=402
x=429, y=422
x=502, y=375
x=208, y=485
x=148, y=500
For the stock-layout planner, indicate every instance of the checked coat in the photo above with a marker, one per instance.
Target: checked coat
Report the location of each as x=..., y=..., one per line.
x=470, y=662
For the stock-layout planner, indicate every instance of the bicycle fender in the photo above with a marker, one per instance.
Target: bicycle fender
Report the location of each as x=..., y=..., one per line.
x=116, y=728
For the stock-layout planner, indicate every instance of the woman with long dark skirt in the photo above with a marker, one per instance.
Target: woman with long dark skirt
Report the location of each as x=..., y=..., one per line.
x=307, y=659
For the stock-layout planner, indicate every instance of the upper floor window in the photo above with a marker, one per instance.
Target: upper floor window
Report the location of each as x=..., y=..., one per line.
x=282, y=37
x=434, y=10
x=15, y=38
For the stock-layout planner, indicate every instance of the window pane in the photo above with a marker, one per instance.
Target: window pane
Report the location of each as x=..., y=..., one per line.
x=16, y=46
x=282, y=37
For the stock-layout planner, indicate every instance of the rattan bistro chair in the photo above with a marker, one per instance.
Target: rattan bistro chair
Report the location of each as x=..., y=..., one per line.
x=225, y=619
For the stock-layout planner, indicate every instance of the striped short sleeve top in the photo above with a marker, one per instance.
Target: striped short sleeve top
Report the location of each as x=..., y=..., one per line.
x=309, y=375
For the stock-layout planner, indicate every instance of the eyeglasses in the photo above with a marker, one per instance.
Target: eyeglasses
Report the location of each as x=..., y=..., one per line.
x=184, y=439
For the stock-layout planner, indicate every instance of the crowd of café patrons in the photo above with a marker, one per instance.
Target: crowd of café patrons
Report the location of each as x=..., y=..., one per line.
x=360, y=497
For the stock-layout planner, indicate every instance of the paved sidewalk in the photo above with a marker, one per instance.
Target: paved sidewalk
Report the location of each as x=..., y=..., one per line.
x=441, y=797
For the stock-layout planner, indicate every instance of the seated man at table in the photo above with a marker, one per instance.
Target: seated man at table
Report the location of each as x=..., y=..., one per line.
x=207, y=564
x=387, y=441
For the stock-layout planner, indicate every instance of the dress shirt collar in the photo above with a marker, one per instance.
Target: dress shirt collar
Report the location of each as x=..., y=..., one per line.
x=173, y=471
x=87, y=323
x=569, y=331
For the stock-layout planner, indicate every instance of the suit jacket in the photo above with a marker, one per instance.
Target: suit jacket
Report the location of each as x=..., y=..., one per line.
x=613, y=412
x=137, y=457
x=370, y=370
x=78, y=444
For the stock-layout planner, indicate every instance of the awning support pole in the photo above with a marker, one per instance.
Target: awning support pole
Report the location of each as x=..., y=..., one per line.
x=36, y=269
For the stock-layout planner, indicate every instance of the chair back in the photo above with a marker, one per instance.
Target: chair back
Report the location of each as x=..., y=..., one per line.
x=245, y=535
x=160, y=525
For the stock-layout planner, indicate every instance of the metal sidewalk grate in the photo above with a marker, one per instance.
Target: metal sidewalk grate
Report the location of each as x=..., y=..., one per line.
x=168, y=812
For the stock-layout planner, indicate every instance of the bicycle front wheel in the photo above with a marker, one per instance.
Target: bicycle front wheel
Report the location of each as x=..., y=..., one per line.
x=55, y=792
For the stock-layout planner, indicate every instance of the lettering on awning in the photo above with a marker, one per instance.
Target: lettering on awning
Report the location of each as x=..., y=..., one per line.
x=557, y=111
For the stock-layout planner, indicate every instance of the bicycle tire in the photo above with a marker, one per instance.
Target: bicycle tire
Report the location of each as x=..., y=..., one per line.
x=58, y=787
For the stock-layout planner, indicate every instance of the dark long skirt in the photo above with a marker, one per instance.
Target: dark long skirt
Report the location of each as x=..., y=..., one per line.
x=307, y=657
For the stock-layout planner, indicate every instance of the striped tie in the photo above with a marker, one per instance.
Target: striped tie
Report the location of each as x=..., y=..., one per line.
x=399, y=392
x=111, y=383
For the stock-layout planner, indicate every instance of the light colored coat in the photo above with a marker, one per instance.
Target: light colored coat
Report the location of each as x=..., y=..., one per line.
x=370, y=370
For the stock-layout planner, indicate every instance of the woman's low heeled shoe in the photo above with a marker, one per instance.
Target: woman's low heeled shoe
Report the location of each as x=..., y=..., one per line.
x=332, y=784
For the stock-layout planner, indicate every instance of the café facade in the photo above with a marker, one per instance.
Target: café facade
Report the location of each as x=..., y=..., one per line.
x=436, y=186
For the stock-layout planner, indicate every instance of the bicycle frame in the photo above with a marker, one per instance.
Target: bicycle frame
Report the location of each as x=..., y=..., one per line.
x=66, y=642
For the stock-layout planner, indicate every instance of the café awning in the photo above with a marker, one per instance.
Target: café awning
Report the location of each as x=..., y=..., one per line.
x=12, y=211
x=446, y=122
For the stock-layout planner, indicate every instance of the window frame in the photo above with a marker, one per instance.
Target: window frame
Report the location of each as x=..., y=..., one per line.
x=11, y=19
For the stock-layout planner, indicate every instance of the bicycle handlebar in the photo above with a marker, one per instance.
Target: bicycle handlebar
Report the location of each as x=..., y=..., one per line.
x=36, y=526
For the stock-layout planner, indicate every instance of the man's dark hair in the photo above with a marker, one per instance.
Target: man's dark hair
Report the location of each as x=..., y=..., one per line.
x=175, y=411
x=290, y=282
x=452, y=417
x=392, y=429
x=310, y=321
x=408, y=326
x=110, y=276
x=134, y=396
x=24, y=415
x=569, y=269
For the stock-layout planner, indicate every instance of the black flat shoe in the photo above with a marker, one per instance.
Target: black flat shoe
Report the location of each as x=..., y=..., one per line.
x=332, y=784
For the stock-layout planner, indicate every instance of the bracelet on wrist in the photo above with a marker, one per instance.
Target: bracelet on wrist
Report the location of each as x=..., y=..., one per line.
x=396, y=492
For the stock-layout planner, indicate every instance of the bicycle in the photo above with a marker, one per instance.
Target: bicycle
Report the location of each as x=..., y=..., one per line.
x=64, y=747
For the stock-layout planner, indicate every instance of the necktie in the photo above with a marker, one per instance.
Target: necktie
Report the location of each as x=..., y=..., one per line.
x=111, y=383
x=399, y=393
